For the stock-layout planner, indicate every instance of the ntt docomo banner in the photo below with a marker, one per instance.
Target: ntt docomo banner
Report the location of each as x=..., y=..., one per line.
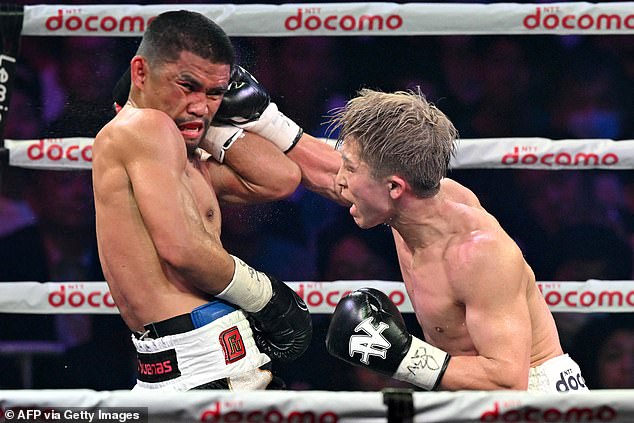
x=343, y=19
x=542, y=153
x=614, y=406
x=51, y=153
x=484, y=153
x=321, y=297
x=56, y=298
x=95, y=298
x=593, y=296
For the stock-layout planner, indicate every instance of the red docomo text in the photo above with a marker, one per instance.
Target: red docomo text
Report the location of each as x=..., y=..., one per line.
x=51, y=149
x=77, y=298
x=92, y=23
x=313, y=22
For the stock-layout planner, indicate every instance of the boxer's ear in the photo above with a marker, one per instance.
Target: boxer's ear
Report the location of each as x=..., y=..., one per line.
x=138, y=71
x=396, y=186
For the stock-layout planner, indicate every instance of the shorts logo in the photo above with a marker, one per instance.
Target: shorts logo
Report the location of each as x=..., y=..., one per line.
x=232, y=345
x=570, y=382
x=157, y=367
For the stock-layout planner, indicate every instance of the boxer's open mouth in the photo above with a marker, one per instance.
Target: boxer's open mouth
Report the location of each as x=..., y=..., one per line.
x=191, y=130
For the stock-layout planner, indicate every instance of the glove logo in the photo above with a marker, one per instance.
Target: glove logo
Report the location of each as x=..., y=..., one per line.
x=236, y=85
x=372, y=343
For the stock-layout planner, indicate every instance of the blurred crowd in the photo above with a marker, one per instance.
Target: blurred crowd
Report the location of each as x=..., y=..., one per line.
x=571, y=225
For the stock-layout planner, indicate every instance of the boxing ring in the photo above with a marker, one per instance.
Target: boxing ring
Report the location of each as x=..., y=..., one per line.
x=349, y=19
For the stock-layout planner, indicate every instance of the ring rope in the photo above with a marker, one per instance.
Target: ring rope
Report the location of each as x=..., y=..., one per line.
x=593, y=296
x=485, y=153
x=337, y=19
x=614, y=406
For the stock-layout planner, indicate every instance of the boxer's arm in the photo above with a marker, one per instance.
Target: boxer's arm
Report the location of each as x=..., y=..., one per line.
x=493, y=290
x=253, y=171
x=165, y=202
x=247, y=105
x=319, y=163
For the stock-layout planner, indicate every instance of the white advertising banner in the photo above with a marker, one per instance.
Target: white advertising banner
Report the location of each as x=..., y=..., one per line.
x=51, y=153
x=321, y=297
x=512, y=406
x=343, y=19
x=543, y=153
x=616, y=406
x=482, y=153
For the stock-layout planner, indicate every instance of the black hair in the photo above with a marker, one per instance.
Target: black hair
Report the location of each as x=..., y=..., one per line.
x=171, y=33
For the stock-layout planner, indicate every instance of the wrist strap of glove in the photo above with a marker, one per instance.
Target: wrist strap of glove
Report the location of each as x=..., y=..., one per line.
x=249, y=289
x=219, y=139
x=424, y=365
x=275, y=127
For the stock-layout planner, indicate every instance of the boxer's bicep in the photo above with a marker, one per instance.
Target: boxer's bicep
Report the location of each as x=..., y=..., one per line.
x=496, y=312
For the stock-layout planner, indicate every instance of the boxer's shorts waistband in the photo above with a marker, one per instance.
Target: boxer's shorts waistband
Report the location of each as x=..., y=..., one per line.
x=199, y=317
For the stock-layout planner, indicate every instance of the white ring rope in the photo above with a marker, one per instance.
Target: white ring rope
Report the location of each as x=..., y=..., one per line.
x=593, y=296
x=337, y=19
x=483, y=153
x=616, y=406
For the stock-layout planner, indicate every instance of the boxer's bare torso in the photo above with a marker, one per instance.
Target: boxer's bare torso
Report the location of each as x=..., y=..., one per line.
x=144, y=286
x=471, y=289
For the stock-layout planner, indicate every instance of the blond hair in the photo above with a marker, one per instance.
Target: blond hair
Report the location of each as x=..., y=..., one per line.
x=399, y=133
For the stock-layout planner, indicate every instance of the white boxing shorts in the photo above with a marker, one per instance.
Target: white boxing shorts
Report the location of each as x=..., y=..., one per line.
x=559, y=374
x=222, y=349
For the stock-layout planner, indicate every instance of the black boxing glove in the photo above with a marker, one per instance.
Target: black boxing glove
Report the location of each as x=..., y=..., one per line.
x=283, y=328
x=368, y=330
x=247, y=105
x=245, y=99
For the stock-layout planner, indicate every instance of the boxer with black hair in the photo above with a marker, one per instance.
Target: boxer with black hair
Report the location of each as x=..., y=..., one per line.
x=201, y=317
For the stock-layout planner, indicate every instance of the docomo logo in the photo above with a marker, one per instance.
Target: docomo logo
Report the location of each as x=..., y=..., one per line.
x=316, y=298
x=530, y=414
x=551, y=20
x=54, y=150
x=588, y=298
x=560, y=159
x=215, y=415
x=70, y=20
x=570, y=381
x=314, y=22
x=78, y=297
